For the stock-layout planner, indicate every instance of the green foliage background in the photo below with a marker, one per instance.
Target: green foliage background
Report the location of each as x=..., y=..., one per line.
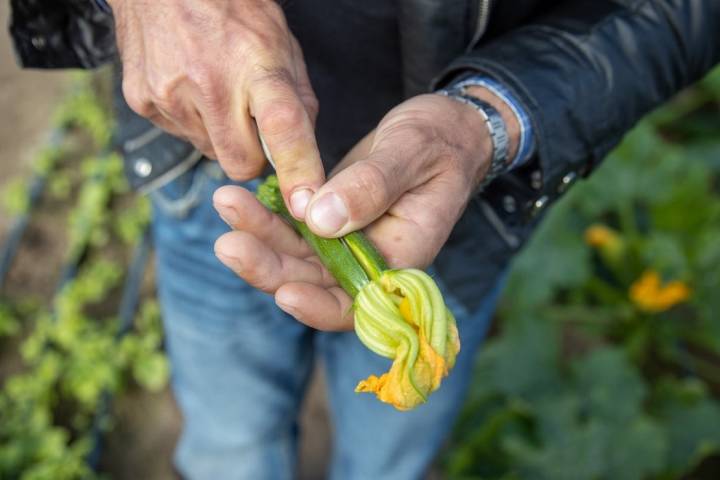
x=580, y=382
x=73, y=356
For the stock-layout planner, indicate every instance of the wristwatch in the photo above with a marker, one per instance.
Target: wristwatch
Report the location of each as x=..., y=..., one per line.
x=496, y=128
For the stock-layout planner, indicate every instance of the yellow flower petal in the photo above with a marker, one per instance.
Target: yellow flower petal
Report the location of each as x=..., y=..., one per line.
x=599, y=235
x=407, y=386
x=649, y=295
x=403, y=316
x=605, y=239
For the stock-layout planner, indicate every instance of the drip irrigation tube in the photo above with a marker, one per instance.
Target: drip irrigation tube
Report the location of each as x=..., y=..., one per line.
x=128, y=307
x=17, y=230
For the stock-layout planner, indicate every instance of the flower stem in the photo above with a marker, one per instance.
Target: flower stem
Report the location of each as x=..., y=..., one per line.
x=366, y=254
x=334, y=253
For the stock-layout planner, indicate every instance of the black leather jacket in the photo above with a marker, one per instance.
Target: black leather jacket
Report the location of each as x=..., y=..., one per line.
x=585, y=70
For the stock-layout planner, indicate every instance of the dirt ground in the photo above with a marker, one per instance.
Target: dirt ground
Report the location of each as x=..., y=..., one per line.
x=146, y=427
x=26, y=98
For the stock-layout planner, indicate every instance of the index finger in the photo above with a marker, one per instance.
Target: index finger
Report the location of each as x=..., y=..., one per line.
x=288, y=130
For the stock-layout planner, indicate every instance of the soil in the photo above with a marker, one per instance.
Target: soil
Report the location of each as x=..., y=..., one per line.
x=141, y=439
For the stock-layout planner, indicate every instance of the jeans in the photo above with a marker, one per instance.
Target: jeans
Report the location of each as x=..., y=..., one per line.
x=240, y=365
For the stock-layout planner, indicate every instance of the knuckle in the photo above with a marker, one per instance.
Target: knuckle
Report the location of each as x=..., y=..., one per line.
x=281, y=118
x=203, y=144
x=163, y=95
x=424, y=132
x=244, y=171
x=264, y=40
x=275, y=10
x=202, y=75
x=292, y=167
x=272, y=30
x=272, y=78
x=264, y=284
x=257, y=45
x=258, y=273
x=312, y=105
x=262, y=276
x=211, y=86
x=136, y=100
x=371, y=186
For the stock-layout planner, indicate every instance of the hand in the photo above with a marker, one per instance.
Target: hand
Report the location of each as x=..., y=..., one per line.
x=407, y=183
x=208, y=70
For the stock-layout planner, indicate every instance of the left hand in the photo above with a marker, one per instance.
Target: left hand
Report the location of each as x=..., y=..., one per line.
x=406, y=183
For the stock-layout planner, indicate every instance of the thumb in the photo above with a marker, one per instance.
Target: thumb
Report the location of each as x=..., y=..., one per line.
x=360, y=193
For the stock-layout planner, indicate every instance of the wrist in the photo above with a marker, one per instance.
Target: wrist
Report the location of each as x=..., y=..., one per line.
x=495, y=129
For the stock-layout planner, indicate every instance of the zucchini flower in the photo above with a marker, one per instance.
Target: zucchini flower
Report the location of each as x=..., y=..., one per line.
x=399, y=314
x=651, y=296
x=607, y=241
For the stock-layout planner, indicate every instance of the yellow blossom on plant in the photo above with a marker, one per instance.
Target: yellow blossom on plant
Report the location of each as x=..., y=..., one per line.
x=403, y=316
x=604, y=238
x=599, y=235
x=607, y=241
x=649, y=295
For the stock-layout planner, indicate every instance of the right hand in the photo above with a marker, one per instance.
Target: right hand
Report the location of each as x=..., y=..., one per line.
x=210, y=70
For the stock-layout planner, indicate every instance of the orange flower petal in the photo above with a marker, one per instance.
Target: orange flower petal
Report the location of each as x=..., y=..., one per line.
x=649, y=295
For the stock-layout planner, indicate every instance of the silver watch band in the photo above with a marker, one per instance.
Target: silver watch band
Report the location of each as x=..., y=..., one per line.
x=496, y=128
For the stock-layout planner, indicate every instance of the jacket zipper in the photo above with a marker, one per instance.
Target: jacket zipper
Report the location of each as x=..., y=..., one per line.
x=481, y=22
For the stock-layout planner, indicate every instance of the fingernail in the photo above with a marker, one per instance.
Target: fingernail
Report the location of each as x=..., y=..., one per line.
x=329, y=214
x=299, y=201
x=227, y=214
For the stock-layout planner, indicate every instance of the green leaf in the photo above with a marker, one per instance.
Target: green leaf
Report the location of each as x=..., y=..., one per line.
x=556, y=258
x=594, y=430
x=691, y=419
x=9, y=324
x=665, y=252
x=522, y=362
x=152, y=371
x=608, y=386
x=15, y=197
x=711, y=83
x=637, y=450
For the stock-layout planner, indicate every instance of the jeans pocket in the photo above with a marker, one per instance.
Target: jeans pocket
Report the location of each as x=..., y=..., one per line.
x=179, y=197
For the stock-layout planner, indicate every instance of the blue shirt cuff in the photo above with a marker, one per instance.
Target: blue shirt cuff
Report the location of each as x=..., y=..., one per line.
x=526, y=147
x=103, y=5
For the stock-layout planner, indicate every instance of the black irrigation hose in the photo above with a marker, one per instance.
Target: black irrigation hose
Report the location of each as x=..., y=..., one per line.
x=20, y=224
x=131, y=289
x=72, y=265
x=128, y=307
x=133, y=284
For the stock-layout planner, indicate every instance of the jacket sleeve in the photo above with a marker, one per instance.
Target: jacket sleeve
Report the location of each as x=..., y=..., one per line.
x=61, y=33
x=589, y=70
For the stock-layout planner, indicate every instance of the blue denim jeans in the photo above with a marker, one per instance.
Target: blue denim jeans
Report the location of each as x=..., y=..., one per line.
x=241, y=365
